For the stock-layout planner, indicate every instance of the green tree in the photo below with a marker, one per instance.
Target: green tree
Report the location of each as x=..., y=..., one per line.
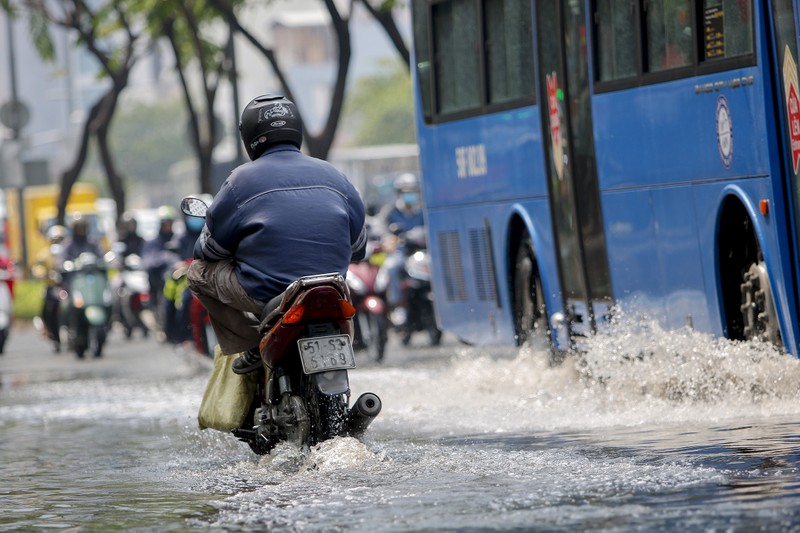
x=109, y=31
x=380, y=108
x=154, y=137
x=192, y=29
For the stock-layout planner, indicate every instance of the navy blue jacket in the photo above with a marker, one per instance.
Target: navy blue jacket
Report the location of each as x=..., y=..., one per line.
x=283, y=216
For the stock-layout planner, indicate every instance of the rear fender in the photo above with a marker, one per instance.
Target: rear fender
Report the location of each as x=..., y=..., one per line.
x=333, y=382
x=282, y=340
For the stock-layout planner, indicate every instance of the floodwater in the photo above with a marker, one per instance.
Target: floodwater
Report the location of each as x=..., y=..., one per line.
x=647, y=431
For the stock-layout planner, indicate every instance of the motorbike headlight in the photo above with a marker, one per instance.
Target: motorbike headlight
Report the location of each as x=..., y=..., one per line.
x=381, y=280
x=77, y=299
x=95, y=314
x=355, y=283
x=418, y=266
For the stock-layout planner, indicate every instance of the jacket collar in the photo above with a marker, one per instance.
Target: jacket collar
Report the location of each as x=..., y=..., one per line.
x=282, y=147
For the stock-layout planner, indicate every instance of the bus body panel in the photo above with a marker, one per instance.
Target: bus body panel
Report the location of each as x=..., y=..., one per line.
x=465, y=305
x=645, y=136
x=483, y=159
x=651, y=234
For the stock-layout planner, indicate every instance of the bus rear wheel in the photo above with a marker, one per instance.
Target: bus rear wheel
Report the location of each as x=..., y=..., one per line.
x=530, y=315
x=760, y=320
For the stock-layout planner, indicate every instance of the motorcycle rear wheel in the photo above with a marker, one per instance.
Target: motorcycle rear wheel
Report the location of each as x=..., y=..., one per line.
x=327, y=413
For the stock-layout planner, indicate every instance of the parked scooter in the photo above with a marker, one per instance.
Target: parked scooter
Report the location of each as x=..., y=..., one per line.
x=416, y=310
x=86, y=304
x=368, y=289
x=306, y=343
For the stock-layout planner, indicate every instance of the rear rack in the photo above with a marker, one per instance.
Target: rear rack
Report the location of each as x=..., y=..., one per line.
x=333, y=279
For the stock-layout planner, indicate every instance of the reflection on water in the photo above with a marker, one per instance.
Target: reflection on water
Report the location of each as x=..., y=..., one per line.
x=646, y=430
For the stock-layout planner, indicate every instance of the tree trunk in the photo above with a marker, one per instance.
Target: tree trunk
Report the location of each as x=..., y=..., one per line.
x=386, y=20
x=115, y=181
x=70, y=176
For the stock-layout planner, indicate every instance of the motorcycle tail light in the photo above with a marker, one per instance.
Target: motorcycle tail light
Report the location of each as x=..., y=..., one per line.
x=322, y=304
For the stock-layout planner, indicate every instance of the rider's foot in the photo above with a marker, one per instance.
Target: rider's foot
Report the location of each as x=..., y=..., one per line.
x=248, y=362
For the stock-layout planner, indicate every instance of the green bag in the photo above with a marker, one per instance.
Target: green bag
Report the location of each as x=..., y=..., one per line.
x=227, y=399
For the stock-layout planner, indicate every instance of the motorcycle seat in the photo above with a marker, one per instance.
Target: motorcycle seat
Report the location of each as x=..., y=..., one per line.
x=268, y=314
x=275, y=308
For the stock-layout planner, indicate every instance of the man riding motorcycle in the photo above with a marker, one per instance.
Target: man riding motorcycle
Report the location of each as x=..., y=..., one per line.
x=402, y=216
x=279, y=217
x=48, y=267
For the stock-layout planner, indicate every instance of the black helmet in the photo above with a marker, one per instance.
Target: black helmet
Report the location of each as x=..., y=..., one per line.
x=267, y=120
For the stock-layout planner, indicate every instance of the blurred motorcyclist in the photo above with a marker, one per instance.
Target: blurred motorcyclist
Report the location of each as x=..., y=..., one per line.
x=177, y=304
x=406, y=211
x=47, y=266
x=403, y=215
x=129, y=235
x=282, y=216
x=159, y=258
x=79, y=240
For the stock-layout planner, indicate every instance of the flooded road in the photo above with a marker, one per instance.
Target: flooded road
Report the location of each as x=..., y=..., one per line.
x=646, y=431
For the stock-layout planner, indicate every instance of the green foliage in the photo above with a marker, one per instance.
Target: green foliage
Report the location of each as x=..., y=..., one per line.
x=40, y=34
x=28, y=298
x=148, y=139
x=6, y=6
x=380, y=108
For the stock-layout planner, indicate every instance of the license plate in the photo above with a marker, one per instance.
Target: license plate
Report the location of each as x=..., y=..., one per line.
x=321, y=354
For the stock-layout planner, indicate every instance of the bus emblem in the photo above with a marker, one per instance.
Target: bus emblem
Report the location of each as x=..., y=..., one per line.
x=724, y=131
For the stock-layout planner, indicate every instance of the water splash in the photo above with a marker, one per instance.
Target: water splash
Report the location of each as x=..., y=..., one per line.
x=635, y=373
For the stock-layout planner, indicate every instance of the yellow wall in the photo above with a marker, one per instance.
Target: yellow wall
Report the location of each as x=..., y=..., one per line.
x=39, y=207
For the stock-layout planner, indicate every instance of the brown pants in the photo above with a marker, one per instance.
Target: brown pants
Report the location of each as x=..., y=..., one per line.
x=234, y=314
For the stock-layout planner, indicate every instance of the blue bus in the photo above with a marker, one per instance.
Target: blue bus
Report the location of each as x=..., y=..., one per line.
x=583, y=156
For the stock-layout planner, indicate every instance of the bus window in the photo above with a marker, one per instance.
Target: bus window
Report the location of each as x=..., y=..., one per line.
x=669, y=34
x=509, y=49
x=456, y=42
x=616, y=34
x=727, y=28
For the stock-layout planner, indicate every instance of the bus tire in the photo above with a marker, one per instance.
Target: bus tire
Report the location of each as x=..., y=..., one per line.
x=747, y=301
x=759, y=316
x=530, y=314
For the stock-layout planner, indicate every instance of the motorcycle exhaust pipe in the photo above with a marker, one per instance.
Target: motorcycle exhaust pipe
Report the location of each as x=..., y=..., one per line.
x=363, y=412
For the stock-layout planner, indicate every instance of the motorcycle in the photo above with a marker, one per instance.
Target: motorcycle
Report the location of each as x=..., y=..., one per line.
x=368, y=288
x=416, y=311
x=6, y=298
x=131, y=292
x=306, y=343
x=49, y=323
x=86, y=304
x=203, y=334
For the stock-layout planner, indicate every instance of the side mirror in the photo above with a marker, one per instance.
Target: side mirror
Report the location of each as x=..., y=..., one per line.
x=194, y=207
